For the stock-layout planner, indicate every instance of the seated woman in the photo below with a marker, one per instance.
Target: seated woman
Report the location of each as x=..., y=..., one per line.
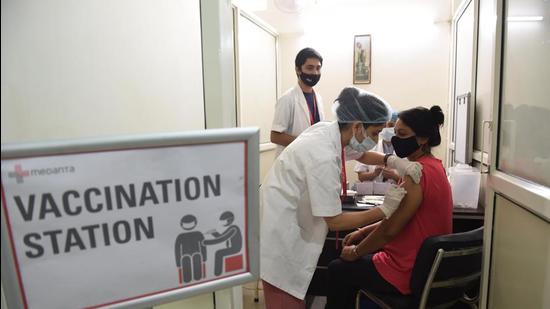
x=380, y=257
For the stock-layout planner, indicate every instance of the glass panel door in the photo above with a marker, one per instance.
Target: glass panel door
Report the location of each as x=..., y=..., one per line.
x=518, y=213
x=524, y=141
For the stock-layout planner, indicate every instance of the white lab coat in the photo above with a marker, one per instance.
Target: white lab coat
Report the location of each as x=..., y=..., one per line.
x=292, y=114
x=302, y=187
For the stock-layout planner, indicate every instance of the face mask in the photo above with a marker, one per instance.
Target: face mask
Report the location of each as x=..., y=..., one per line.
x=366, y=145
x=404, y=147
x=188, y=226
x=310, y=79
x=387, y=133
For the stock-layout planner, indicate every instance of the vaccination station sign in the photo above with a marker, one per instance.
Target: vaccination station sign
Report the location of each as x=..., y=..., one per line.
x=129, y=221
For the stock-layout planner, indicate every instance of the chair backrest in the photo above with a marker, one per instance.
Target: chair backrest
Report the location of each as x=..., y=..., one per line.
x=446, y=266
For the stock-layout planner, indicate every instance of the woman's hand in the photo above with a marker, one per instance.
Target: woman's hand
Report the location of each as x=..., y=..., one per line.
x=353, y=238
x=349, y=253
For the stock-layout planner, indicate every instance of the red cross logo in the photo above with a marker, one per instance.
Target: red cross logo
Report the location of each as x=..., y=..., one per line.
x=19, y=173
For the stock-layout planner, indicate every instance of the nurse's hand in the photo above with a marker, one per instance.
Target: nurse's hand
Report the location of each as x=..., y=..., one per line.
x=353, y=238
x=390, y=174
x=405, y=167
x=392, y=199
x=349, y=253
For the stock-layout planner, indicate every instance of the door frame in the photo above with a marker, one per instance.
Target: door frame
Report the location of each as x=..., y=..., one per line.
x=450, y=151
x=239, y=13
x=530, y=196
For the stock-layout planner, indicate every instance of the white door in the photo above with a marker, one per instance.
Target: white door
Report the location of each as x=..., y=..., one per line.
x=517, y=217
x=256, y=54
x=462, y=82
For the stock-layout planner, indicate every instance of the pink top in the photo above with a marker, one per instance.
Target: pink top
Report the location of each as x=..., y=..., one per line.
x=433, y=217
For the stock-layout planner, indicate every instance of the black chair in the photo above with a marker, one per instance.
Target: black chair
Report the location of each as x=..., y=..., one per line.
x=446, y=267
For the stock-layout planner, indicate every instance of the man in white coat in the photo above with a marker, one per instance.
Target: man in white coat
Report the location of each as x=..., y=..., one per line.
x=300, y=196
x=300, y=107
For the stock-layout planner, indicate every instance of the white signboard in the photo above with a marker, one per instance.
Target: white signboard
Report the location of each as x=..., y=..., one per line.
x=104, y=228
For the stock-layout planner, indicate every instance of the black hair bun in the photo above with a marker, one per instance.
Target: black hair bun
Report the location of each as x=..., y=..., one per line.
x=437, y=115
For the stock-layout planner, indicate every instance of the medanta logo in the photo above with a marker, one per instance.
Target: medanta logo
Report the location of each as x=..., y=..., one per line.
x=19, y=173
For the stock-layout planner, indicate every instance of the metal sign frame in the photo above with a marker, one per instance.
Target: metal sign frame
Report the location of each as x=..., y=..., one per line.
x=250, y=136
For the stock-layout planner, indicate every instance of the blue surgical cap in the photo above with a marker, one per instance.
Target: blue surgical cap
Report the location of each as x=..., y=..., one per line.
x=394, y=116
x=354, y=104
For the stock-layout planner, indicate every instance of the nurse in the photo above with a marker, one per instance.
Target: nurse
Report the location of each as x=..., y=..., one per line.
x=376, y=172
x=301, y=194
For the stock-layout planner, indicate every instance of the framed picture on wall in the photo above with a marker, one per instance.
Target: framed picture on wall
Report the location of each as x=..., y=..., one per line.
x=362, y=59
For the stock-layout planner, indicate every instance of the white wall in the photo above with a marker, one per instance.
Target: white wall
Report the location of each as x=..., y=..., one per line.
x=410, y=53
x=519, y=280
x=92, y=68
x=74, y=69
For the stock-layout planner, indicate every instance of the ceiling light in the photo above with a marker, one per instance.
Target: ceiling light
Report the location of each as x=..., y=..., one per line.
x=524, y=18
x=290, y=6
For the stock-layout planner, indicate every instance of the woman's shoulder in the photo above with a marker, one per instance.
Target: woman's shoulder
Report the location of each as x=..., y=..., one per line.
x=430, y=161
x=432, y=169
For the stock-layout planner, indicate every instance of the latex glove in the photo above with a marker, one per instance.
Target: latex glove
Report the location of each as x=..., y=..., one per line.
x=405, y=167
x=389, y=173
x=392, y=199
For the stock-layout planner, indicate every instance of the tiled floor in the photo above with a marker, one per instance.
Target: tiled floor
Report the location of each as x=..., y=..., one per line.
x=249, y=293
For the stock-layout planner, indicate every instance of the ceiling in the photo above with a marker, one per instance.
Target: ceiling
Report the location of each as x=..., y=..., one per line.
x=295, y=16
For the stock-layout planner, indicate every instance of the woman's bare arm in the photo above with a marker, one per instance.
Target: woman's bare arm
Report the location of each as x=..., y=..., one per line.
x=390, y=228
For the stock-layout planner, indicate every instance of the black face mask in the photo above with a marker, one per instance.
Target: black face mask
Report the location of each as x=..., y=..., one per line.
x=404, y=147
x=310, y=79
